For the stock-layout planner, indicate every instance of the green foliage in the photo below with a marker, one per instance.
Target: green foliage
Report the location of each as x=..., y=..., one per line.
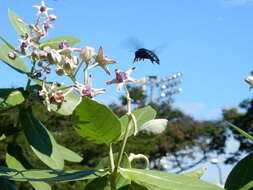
x=18, y=24
x=97, y=123
x=246, y=135
x=69, y=155
x=16, y=63
x=241, y=174
x=41, y=141
x=54, y=42
x=15, y=159
x=7, y=185
x=22, y=120
x=198, y=173
x=8, y=44
x=49, y=175
x=142, y=116
x=10, y=97
x=165, y=180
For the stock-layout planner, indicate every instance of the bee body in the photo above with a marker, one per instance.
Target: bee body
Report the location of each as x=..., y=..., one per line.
x=143, y=53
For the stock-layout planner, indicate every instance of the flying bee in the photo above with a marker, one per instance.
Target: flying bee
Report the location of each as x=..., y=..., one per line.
x=143, y=53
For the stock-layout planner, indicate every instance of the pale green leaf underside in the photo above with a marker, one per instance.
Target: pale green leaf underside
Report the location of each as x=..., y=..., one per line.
x=167, y=181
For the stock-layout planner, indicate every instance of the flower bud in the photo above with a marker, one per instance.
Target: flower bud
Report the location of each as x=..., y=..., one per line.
x=54, y=57
x=12, y=55
x=60, y=71
x=249, y=80
x=87, y=53
x=63, y=45
x=52, y=17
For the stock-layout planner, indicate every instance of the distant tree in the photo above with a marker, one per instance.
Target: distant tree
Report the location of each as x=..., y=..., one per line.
x=244, y=120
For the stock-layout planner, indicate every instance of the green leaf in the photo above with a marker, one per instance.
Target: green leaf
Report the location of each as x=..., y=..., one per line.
x=69, y=155
x=142, y=115
x=8, y=44
x=96, y=122
x=7, y=185
x=41, y=141
x=100, y=183
x=54, y=42
x=246, y=135
x=16, y=63
x=2, y=137
x=15, y=159
x=49, y=175
x=241, y=174
x=19, y=25
x=166, y=180
x=198, y=173
x=10, y=97
x=248, y=186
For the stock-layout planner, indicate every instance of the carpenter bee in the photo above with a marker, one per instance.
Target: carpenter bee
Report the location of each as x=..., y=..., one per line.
x=143, y=53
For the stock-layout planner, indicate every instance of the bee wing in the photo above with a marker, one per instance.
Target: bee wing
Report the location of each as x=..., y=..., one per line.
x=132, y=43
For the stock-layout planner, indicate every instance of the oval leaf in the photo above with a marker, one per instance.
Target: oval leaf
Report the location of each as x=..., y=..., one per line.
x=241, y=174
x=166, y=180
x=96, y=122
x=10, y=97
x=142, y=116
x=41, y=141
x=17, y=161
x=18, y=24
x=54, y=42
x=49, y=175
x=16, y=63
x=69, y=155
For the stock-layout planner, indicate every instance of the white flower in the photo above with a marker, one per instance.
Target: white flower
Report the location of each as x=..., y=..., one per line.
x=54, y=57
x=87, y=90
x=87, y=53
x=103, y=61
x=42, y=8
x=122, y=77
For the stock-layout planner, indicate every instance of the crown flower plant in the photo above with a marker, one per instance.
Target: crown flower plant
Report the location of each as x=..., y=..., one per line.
x=37, y=57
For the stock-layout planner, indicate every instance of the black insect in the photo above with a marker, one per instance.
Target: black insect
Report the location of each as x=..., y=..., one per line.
x=143, y=53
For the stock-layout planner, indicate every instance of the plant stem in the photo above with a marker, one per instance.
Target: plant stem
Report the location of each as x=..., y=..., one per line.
x=127, y=129
x=79, y=66
x=113, y=181
x=29, y=80
x=111, y=158
x=85, y=72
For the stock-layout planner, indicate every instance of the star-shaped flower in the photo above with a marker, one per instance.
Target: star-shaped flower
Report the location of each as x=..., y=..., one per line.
x=102, y=60
x=42, y=8
x=122, y=77
x=87, y=90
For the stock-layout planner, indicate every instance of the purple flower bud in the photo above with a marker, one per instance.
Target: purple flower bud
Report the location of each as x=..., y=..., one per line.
x=63, y=45
x=120, y=76
x=37, y=74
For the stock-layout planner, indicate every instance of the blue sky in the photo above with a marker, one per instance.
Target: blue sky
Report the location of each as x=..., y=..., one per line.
x=209, y=41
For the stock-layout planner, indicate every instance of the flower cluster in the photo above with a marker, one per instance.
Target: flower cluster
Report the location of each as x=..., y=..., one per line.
x=65, y=60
